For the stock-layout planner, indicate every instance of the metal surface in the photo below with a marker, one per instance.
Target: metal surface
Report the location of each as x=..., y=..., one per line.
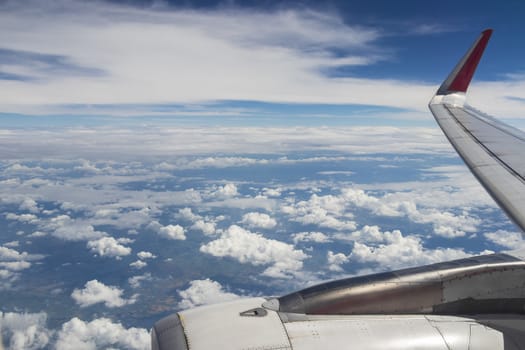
x=512, y=328
x=223, y=326
x=493, y=152
x=474, y=285
x=460, y=77
x=168, y=333
x=393, y=333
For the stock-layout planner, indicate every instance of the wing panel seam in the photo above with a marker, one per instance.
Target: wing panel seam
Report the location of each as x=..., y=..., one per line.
x=482, y=146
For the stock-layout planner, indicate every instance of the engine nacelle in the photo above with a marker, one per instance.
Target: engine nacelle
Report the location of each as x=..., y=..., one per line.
x=422, y=308
x=246, y=324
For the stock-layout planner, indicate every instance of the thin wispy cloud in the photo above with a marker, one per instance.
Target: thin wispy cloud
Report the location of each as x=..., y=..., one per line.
x=68, y=52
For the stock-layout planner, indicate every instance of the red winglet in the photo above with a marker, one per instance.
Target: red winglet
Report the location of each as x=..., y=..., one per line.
x=459, y=79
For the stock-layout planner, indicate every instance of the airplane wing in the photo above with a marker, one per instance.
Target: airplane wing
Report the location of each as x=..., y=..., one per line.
x=492, y=150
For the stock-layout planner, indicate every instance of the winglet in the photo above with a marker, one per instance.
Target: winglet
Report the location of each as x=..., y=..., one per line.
x=459, y=79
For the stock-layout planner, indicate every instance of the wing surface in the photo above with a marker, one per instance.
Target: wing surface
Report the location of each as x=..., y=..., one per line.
x=493, y=150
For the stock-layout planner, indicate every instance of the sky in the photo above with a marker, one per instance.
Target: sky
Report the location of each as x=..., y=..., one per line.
x=161, y=155
x=250, y=62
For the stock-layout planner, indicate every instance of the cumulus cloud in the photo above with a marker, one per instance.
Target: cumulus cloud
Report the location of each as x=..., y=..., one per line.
x=187, y=214
x=172, y=232
x=426, y=204
x=397, y=251
x=69, y=229
x=138, y=264
x=324, y=211
x=335, y=260
x=253, y=248
x=203, y=292
x=272, y=192
x=26, y=218
x=146, y=255
x=10, y=254
x=226, y=191
x=12, y=262
x=508, y=239
x=205, y=225
x=316, y=237
x=136, y=281
x=421, y=206
x=25, y=331
x=101, y=333
x=28, y=331
x=95, y=292
x=30, y=205
x=208, y=228
x=15, y=265
x=366, y=234
x=258, y=220
x=12, y=244
x=110, y=247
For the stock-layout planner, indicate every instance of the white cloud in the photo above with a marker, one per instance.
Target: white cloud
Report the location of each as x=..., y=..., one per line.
x=30, y=205
x=507, y=239
x=95, y=292
x=9, y=254
x=11, y=263
x=324, y=211
x=23, y=168
x=28, y=331
x=208, y=228
x=397, y=251
x=272, y=192
x=365, y=234
x=422, y=205
x=205, y=225
x=146, y=255
x=64, y=227
x=121, y=143
x=101, y=333
x=15, y=265
x=108, y=246
x=139, y=264
x=25, y=331
x=37, y=234
x=260, y=220
x=203, y=292
x=226, y=191
x=187, y=214
x=336, y=260
x=219, y=162
x=253, y=248
x=244, y=203
x=273, y=48
x=172, y=232
x=136, y=281
x=12, y=244
x=27, y=218
x=317, y=237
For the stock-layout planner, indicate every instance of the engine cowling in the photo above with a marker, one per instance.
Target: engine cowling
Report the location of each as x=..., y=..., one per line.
x=246, y=324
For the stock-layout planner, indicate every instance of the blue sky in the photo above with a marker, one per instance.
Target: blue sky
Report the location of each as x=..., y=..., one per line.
x=239, y=62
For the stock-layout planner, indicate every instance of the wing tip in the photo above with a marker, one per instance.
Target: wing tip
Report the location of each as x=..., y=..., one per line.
x=459, y=79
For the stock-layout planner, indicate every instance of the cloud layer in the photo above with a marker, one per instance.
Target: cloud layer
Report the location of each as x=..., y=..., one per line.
x=120, y=48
